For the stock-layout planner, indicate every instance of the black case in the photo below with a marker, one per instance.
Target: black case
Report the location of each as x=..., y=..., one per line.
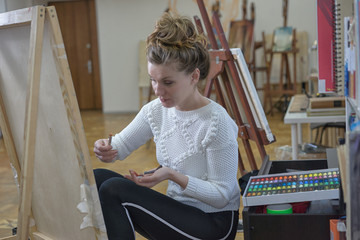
x=258, y=226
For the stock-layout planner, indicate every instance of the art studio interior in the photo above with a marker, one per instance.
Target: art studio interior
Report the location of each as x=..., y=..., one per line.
x=75, y=73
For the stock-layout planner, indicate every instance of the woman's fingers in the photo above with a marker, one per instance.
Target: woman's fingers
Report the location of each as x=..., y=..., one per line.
x=103, y=151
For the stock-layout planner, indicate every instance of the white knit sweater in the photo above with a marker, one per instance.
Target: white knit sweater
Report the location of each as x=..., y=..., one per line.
x=202, y=144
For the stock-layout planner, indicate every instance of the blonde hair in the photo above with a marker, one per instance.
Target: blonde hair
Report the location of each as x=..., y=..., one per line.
x=175, y=40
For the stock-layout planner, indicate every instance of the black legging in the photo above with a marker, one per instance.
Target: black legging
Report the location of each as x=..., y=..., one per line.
x=128, y=207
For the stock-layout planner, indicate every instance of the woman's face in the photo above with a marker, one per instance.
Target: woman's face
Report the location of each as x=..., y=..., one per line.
x=174, y=88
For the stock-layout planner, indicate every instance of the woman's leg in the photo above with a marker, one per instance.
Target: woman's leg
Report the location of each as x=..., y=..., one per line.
x=126, y=206
x=101, y=175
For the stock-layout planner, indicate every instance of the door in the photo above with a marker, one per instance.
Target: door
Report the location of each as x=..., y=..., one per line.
x=78, y=26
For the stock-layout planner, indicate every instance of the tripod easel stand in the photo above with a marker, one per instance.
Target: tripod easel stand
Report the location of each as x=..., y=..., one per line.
x=43, y=131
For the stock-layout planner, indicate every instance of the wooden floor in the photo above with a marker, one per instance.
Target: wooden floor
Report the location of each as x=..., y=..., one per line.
x=98, y=125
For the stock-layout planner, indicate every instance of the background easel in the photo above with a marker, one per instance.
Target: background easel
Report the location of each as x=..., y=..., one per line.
x=229, y=89
x=288, y=87
x=241, y=35
x=58, y=195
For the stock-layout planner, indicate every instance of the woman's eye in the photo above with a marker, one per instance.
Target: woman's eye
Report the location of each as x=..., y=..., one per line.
x=168, y=83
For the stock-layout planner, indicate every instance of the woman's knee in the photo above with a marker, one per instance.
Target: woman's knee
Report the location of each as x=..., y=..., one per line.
x=106, y=190
x=102, y=175
x=115, y=187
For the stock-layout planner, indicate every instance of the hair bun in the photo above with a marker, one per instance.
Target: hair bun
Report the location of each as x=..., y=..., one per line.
x=175, y=32
x=175, y=39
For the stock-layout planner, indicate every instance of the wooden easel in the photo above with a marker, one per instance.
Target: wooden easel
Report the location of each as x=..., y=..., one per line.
x=223, y=64
x=242, y=35
x=287, y=88
x=43, y=132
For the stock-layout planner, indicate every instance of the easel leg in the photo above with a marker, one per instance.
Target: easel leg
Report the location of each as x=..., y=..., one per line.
x=36, y=38
x=268, y=98
x=74, y=118
x=281, y=82
x=294, y=82
x=8, y=139
x=288, y=75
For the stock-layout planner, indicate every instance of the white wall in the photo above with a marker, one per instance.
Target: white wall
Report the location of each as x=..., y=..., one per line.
x=122, y=24
x=3, y=7
x=9, y=5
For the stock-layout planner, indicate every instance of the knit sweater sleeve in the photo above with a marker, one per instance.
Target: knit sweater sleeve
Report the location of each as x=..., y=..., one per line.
x=220, y=186
x=137, y=133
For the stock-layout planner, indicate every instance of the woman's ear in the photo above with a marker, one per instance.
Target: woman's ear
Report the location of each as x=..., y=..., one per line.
x=195, y=76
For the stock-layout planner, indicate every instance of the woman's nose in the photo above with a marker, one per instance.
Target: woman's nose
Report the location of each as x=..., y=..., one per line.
x=158, y=89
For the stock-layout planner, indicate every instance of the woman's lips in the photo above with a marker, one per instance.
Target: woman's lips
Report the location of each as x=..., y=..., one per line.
x=163, y=99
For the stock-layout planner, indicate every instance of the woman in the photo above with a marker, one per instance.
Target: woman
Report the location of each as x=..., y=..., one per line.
x=196, y=145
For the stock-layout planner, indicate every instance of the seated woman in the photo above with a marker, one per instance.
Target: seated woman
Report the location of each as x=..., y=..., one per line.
x=196, y=145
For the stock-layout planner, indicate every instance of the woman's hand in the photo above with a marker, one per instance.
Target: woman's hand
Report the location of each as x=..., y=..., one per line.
x=104, y=151
x=161, y=174
x=148, y=180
